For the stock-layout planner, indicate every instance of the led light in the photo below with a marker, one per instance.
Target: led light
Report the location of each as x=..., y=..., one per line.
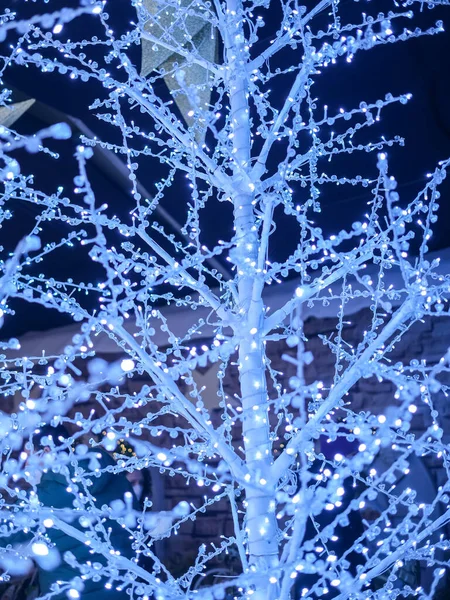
x=40, y=549
x=127, y=365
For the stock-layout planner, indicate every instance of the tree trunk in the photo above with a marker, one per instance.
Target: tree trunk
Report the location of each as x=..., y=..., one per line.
x=261, y=524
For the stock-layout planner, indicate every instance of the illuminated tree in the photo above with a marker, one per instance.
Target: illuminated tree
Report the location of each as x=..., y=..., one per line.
x=202, y=106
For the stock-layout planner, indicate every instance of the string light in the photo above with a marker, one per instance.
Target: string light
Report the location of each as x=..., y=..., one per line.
x=289, y=451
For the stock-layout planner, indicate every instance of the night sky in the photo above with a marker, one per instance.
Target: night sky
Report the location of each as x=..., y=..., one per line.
x=420, y=67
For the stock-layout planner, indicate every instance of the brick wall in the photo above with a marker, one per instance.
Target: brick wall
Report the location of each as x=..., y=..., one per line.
x=428, y=340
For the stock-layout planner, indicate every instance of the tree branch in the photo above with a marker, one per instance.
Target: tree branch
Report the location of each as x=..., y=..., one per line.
x=337, y=392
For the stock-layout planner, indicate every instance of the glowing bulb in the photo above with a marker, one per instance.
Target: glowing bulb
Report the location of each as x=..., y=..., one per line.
x=127, y=365
x=64, y=379
x=40, y=549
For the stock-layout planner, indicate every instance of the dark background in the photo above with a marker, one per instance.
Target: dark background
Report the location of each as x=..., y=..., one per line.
x=420, y=66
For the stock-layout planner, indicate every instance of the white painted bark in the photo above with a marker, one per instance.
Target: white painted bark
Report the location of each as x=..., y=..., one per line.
x=260, y=521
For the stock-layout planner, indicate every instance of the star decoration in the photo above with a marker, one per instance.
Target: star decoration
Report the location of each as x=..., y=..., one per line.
x=10, y=114
x=189, y=83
